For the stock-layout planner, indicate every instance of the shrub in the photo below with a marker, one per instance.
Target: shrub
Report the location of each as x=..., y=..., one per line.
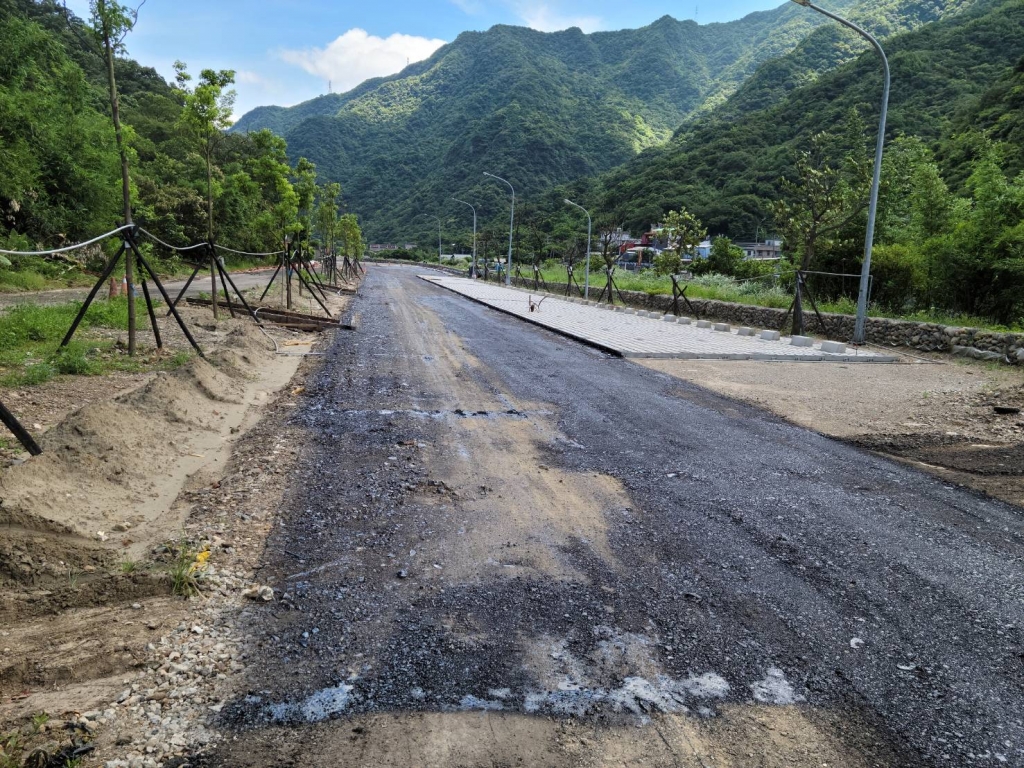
x=668, y=263
x=72, y=361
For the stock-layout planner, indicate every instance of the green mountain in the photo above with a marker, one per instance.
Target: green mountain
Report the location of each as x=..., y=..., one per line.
x=947, y=77
x=542, y=109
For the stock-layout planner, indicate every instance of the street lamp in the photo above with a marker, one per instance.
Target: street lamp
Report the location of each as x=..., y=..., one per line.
x=586, y=274
x=865, y=272
x=472, y=269
x=511, y=225
x=431, y=216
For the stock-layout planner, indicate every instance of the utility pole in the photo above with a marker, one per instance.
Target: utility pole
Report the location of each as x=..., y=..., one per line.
x=511, y=226
x=865, y=272
x=586, y=274
x=472, y=268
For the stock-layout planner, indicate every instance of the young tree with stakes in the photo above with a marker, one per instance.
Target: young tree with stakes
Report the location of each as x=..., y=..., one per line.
x=206, y=114
x=112, y=22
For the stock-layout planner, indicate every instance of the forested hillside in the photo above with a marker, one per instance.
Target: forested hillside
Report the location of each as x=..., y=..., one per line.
x=59, y=166
x=728, y=167
x=542, y=109
x=950, y=232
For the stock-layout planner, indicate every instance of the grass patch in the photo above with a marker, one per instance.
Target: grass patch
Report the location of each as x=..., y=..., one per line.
x=187, y=569
x=30, y=335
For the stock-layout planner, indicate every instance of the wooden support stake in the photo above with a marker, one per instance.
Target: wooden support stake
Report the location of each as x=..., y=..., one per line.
x=19, y=431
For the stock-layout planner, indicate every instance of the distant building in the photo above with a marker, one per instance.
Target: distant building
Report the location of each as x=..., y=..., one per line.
x=768, y=250
x=375, y=247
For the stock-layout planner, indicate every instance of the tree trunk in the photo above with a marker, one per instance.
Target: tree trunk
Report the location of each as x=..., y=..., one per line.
x=126, y=188
x=209, y=227
x=798, y=304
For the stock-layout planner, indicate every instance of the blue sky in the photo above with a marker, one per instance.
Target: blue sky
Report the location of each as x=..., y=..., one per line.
x=287, y=51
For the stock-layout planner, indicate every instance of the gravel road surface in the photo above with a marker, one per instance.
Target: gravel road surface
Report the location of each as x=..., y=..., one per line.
x=503, y=548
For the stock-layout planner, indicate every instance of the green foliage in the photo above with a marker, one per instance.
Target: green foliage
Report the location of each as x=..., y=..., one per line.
x=728, y=167
x=350, y=236
x=685, y=232
x=59, y=165
x=668, y=263
x=72, y=360
x=187, y=569
x=795, y=151
x=826, y=194
x=724, y=259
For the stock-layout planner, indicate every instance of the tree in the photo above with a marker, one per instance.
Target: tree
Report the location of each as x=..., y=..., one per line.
x=825, y=196
x=305, y=189
x=326, y=216
x=270, y=170
x=725, y=258
x=668, y=263
x=684, y=231
x=112, y=22
x=350, y=236
x=607, y=234
x=206, y=114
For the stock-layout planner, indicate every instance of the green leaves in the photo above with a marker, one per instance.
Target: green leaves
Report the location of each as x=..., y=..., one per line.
x=113, y=21
x=685, y=232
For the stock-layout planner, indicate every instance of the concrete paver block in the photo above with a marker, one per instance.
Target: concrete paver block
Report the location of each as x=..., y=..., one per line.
x=642, y=313
x=721, y=327
x=634, y=337
x=801, y=341
x=833, y=347
x=744, y=331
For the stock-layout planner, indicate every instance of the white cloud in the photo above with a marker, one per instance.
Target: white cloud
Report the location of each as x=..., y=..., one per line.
x=357, y=56
x=248, y=77
x=542, y=17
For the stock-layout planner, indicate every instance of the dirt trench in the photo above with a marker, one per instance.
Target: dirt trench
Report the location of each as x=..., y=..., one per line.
x=89, y=530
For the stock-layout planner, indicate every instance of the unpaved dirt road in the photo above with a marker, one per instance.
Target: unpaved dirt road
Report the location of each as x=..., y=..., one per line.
x=502, y=548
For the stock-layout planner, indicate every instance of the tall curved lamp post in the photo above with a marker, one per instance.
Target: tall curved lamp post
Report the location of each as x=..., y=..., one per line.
x=472, y=269
x=586, y=274
x=431, y=216
x=865, y=273
x=511, y=226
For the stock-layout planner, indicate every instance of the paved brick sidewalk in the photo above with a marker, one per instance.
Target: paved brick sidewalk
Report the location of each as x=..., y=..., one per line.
x=628, y=333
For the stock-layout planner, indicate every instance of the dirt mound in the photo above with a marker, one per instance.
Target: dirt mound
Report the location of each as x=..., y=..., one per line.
x=111, y=471
x=952, y=452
